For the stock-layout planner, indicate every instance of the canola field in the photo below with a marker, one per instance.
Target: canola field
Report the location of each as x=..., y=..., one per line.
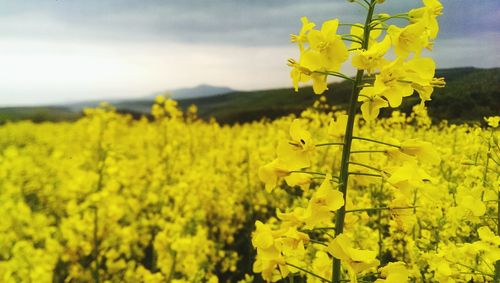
x=329, y=196
x=176, y=199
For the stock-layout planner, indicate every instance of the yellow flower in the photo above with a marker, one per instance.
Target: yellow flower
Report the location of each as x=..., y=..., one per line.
x=326, y=52
x=425, y=151
x=322, y=203
x=404, y=218
x=393, y=272
x=299, y=179
x=322, y=266
x=296, y=153
x=303, y=72
x=269, y=260
x=272, y=172
x=357, y=260
x=372, y=59
x=493, y=121
x=262, y=238
x=390, y=83
x=301, y=38
x=412, y=38
x=407, y=177
x=330, y=47
x=336, y=128
x=420, y=74
x=428, y=14
x=372, y=103
x=485, y=234
x=275, y=249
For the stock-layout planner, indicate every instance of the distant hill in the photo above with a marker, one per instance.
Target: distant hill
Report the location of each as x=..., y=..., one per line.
x=202, y=90
x=38, y=114
x=470, y=94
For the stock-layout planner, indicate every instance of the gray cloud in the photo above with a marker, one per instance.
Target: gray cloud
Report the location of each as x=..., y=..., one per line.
x=228, y=22
x=92, y=49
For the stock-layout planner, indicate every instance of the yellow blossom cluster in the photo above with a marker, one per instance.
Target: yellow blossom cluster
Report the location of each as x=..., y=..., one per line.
x=174, y=199
x=377, y=201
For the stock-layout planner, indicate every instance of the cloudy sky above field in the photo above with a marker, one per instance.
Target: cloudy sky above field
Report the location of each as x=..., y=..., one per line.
x=55, y=51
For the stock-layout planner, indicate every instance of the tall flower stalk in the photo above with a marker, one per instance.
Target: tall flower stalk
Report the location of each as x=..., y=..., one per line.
x=346, y=150
x=282, y=252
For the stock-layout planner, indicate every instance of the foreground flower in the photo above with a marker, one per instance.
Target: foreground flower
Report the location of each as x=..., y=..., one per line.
x=394, y=272
x=356, y=260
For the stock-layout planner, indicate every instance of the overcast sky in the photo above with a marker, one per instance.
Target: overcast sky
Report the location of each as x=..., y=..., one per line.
x=56, y=51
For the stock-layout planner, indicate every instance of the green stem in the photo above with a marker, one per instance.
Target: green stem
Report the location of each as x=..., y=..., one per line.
x=376, y=141
x=308, y=172
x=351, y=25
x=317, y=242
x=352, y=40
x=346, y=150
x=308, y=272
x=378, y=209
x=354, y=36
x=366, y=166
x=335, y=74
x=365, y=174
x=368, y=151
x=330, y=143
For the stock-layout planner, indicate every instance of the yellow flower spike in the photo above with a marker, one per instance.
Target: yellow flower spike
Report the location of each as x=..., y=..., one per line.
x=394, y=272
x=356, y=260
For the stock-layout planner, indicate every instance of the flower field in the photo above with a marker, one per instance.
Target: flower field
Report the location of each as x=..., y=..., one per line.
x=332, y=195
x=175, y=199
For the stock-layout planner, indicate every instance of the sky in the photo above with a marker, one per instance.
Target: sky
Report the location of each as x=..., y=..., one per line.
x=63, y=51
